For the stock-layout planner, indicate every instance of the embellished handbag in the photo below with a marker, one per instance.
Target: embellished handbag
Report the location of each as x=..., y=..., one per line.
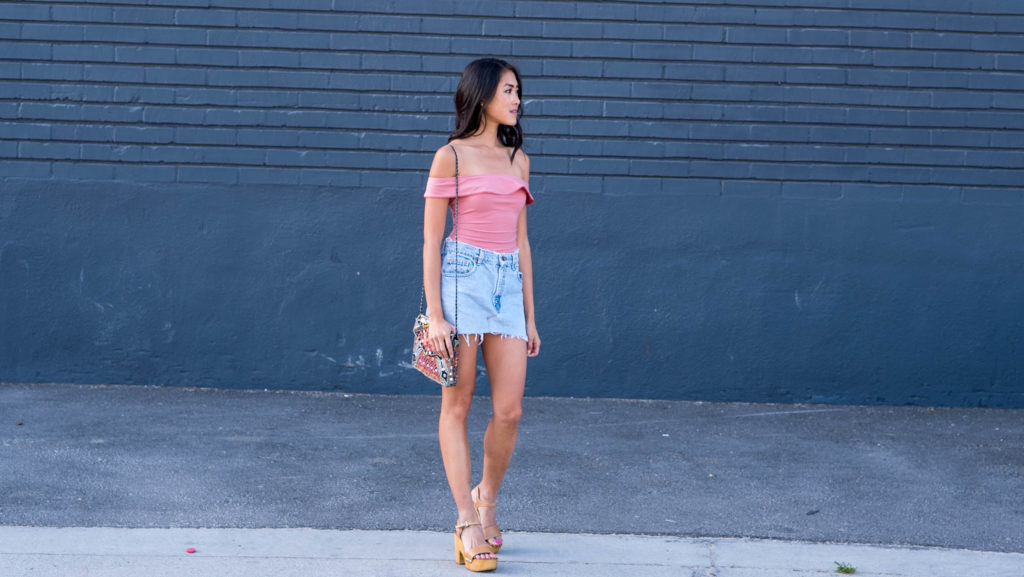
x=433, y=366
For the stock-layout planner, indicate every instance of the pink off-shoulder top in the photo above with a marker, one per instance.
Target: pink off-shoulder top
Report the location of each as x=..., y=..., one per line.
x=489, y=207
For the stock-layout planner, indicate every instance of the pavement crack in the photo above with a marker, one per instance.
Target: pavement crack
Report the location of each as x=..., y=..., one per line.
x=712, y=569
x=796, y=412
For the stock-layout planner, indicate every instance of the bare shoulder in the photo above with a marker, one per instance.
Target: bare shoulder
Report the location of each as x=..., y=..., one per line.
x=522, y=162
x=443, y=165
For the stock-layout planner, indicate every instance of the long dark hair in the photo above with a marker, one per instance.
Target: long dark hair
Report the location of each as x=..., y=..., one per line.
x=479, y=82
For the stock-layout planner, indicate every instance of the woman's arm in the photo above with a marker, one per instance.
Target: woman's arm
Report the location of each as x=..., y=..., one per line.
x=526, y=267
x=435, y=214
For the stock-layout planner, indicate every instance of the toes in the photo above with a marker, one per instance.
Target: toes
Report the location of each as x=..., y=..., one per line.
x=486, y=556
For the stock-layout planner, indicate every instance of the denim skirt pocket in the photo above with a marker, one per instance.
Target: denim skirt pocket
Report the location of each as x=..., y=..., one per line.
x=460, y=266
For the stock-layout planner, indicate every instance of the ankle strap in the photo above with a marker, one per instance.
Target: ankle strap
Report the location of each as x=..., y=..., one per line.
x=465, y=524
x=476, y=493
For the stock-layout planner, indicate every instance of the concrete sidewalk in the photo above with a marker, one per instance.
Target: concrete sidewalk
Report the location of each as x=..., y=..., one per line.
x=47, y=552
x=134, y=475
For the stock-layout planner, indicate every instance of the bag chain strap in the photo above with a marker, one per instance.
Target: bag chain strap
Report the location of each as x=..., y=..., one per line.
x=455, y=225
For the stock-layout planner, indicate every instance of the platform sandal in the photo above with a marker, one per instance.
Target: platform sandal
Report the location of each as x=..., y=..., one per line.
x=491, y=531
x=470, y=558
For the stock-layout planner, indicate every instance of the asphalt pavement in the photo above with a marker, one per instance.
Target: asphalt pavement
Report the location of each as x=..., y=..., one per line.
x=122, y=480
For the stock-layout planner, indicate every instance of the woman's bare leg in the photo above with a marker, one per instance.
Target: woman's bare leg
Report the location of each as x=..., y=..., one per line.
x=505, y=359
x=454, y=439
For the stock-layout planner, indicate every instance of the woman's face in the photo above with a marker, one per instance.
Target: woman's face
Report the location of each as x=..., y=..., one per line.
x=504, y=105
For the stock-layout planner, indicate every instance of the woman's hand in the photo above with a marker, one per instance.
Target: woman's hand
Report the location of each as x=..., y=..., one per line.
x=439, y=335
x=532, y=340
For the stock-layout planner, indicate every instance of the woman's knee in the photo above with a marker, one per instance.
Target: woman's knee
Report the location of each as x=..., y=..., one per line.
x=455, y=411
x=508, y=415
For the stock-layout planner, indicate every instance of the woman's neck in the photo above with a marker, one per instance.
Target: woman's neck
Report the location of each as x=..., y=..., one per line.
x=487, y=135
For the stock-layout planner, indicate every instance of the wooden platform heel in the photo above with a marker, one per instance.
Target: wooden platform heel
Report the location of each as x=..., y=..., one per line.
x=471, y=558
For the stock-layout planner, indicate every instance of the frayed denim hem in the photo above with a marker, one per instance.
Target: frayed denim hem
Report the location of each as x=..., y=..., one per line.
x=479, y=337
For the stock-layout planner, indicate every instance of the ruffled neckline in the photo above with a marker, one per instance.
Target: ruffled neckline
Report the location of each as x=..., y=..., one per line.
x=502, y=184
x=483, y=175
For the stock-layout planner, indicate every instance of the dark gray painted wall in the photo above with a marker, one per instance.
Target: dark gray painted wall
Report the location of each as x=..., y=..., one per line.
x=736, y=200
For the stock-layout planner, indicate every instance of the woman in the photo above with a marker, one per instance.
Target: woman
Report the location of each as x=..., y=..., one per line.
x=494, y=310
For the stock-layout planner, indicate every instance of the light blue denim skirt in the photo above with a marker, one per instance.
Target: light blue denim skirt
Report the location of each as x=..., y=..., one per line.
x=490, y=291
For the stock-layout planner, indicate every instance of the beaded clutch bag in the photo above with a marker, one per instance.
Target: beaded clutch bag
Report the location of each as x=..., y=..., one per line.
x=431, y=364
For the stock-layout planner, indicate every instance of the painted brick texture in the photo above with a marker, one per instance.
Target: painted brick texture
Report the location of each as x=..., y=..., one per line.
x=816, y=93
x=756, y=200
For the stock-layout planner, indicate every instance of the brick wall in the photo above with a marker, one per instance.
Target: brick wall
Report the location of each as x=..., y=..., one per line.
x=688, y=125
x=730, y=97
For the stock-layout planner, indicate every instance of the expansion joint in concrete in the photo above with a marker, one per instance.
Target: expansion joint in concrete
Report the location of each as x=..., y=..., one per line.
x=712, y=568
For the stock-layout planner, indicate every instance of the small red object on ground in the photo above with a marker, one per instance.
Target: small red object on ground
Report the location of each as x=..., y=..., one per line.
x=190, y=550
